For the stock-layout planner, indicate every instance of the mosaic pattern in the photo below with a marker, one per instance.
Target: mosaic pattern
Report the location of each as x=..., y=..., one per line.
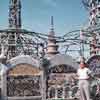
x=23, y=86
x=24, y=69
x=60, y=82
x=24, y=80
x=62, y=69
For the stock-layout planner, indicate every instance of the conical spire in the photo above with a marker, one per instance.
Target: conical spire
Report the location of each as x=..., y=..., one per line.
x=15, y=14
x=52, y=47
x=51, y=33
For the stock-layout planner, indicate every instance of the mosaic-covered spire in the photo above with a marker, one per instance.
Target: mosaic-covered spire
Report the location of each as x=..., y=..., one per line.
x=52, y=47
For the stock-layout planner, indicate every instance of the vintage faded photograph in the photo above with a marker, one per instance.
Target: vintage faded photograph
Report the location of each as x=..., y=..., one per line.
x=49, y=49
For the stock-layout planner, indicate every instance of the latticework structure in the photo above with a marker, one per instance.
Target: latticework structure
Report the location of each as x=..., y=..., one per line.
x=37, y=66
x=93, y=7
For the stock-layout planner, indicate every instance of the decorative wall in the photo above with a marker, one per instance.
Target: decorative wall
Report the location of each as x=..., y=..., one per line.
x=24, y=80
x=60, y=81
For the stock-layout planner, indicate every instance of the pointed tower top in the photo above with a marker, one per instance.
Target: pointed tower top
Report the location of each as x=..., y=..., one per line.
x=52, y=47
x=52, y=33
x=52, y=24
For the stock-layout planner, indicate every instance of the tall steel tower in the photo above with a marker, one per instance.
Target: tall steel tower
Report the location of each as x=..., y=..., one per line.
x=15, y=14
x=16, y=41
x=15, y=24
x=93, y=7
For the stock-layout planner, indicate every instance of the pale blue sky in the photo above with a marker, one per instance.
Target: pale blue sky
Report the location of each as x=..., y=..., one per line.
x=68, y=15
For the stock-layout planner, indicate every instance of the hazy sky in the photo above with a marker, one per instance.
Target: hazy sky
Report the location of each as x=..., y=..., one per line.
x=68, y=15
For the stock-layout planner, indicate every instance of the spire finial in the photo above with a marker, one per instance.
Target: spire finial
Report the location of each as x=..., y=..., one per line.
x=52, y=24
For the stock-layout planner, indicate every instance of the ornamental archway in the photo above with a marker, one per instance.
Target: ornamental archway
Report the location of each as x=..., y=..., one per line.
x=94, y=64
x=60, y=76
x=24, y=81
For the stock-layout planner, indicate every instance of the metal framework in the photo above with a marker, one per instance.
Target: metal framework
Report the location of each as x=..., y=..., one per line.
x=15, y=40
x=93, y=7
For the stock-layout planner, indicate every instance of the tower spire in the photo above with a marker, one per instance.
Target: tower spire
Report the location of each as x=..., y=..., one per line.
x=51, y=33
x=15, y=14
x=52, y=47
x=52, y=24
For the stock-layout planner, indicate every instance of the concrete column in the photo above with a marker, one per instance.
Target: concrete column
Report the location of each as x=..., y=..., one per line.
x=4, y=87
x=56, y=93
x=63, y=94
x=49, y=93
x=43, y=77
